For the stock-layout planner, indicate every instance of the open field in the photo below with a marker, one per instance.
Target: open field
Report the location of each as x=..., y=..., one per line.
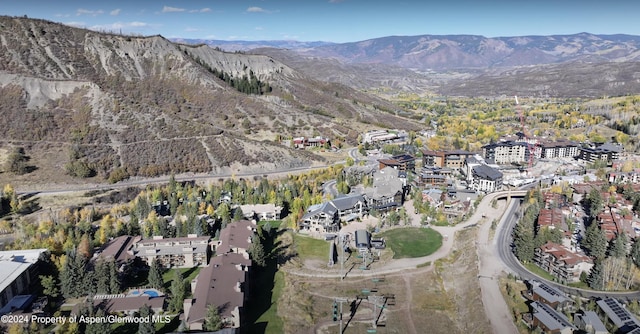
x=434, y=297
x=311, y=248
x=412, y=242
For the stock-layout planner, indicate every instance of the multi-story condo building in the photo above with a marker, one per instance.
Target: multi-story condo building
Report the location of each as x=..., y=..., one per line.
x=559, y=149
x=445, y=159
x=185, y=252
x=560, y=262
x=507, y=152
x=486, y=179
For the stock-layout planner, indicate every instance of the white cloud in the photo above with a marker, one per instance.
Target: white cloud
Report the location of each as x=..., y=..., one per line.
x=259, y=28
x=62, y=15
x=119, y=25
x=82, y=11
x=189, y=29
x=167, y=9
x=115, y=12
x=256, y=10
x=75, y=24
x=202, y=10
x=336, y=1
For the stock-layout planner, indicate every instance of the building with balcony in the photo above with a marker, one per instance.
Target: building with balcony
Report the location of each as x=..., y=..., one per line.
x=562, y=263
x=185, y=252
x=508, y=152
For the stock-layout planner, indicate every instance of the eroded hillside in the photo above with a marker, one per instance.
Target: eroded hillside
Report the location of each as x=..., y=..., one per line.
x=115, y=105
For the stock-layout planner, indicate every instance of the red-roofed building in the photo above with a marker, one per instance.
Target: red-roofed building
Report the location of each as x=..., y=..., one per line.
x=551, y=218
x=560, y=262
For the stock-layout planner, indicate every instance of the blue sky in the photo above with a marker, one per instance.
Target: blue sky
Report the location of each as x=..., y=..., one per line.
x=336, y=20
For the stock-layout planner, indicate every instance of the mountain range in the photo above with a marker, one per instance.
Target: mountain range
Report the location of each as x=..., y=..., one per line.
x=469, y=65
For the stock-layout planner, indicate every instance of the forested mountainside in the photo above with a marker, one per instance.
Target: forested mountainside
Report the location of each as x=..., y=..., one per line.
x=94, y=103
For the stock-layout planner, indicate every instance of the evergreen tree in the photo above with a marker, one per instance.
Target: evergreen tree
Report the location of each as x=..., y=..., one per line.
x=155, y=275
x=212, y=321
x=595, y=203
x=256, y=251
x=146, y=327
x=596, y=279
x=238, y=214
x=635, y=253
x=102, y=277
x=618, y=246
x=523, y=240
x=98, y=327
x=88, y=285
x=595, y=241
x=114, y=281
x=72, y=276
x=178, y=292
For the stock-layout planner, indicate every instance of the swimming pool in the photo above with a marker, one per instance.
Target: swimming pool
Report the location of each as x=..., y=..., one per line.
x=148, y=292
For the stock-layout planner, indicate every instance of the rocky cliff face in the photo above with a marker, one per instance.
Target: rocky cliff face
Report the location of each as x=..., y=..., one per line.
x=147, y=106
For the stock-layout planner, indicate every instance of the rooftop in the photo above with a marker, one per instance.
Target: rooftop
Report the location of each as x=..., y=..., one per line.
x=14, y=262
x=552, y=319
x=486, y=172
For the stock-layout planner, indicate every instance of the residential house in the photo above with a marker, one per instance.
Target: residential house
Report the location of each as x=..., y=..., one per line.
x=184, y=252
x=544, y=293
x=18, y=270
x=562, y=263
x=549, y=320
x=326, y=217
x=486, y=179
x=261, y=211
x=507, y=152
x=320, y=218
x=435, y=197
x=617, y=315
x=589, y=322
x=304, y=142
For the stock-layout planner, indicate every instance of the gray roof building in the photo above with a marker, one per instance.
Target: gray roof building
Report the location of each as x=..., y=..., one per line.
x=590, y=323
x=487, y=173
x=17, y=271
x=550, y=320
x=547, y=294
x=619, y=315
